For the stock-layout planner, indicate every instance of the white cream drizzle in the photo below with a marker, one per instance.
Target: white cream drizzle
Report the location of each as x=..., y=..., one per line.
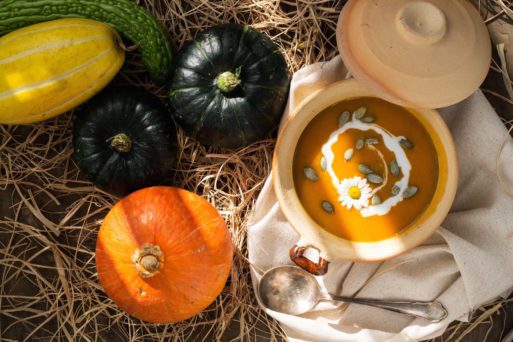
x=391, y=143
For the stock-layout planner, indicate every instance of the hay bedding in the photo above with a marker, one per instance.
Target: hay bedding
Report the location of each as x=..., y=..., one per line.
x=49, y=289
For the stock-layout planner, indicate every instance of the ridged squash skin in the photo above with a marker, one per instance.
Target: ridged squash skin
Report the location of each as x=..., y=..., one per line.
x=229, y=86
x=49, y=68
x=131, y=20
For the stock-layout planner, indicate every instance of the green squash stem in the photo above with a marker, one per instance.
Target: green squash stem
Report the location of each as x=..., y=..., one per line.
x=228, y=81
x=121, y=143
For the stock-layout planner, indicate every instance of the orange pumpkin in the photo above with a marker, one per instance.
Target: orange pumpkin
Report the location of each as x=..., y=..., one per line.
x=163, y=254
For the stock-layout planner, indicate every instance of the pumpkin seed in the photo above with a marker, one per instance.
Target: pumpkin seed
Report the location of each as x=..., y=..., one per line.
x=324, y=166
x=376, y=200
x=406, y=144
x=348, y=155
x=310, y=174
x=394, y=168
x=359, y=144
x=327, y=207
x=410, y=192
x=372, y=141
x=374, y=178
x=359, y=113
x=368, y=119
x=396, y=190
x=365, y=169
x=344, y=118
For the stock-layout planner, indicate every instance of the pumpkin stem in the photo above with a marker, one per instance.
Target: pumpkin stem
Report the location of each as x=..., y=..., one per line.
x=228, y=81
x=148, y=260
x=121, y=143
x=150, y=263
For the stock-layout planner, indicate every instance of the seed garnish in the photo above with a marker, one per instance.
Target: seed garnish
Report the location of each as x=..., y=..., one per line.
x=396, y=190
x=344, y=118
x=360, y=143
x=311, y=174
x=406, y=144
x=376, y=200
x=324, y=166
x=410, y=192
x=327, y=207
x=374, y=178
x=372, y=141
x=360, y=113
x=348, y=155
x=394, y=168
x=368, y=119
x=366, y=170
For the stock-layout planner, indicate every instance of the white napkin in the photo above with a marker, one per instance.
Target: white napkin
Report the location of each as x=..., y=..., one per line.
x=467, y=263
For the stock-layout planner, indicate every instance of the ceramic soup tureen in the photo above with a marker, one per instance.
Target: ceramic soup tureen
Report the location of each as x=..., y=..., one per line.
x=366, y=168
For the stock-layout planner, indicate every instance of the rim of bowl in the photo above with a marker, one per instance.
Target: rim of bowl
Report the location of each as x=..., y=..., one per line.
x=330, y=246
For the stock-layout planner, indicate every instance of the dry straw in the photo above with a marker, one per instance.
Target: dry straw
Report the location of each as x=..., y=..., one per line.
x=49, y=288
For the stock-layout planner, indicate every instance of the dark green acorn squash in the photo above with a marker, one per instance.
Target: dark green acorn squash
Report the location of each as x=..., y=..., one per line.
x=124, y=140
x=229, y=86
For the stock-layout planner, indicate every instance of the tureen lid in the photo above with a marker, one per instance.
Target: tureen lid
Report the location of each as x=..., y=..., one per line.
x=417, y=53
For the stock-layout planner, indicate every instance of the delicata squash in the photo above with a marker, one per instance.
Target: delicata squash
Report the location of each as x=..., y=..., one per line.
x=132, y=21
x=49, y=68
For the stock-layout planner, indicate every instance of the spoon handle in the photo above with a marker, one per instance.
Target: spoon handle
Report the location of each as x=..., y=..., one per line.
x=433, y=311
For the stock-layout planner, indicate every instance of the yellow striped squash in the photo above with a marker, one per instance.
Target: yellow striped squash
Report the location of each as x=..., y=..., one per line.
x=49, y=68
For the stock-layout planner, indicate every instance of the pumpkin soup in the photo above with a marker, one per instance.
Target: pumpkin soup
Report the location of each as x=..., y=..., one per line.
x=365, y=169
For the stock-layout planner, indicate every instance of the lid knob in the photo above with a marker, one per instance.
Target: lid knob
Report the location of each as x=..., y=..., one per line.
x=421, y=22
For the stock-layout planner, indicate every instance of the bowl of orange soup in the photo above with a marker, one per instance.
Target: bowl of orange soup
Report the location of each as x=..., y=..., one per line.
x=360, y=178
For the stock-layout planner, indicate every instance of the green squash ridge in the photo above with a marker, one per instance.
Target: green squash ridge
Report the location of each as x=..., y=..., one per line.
x=203, y=52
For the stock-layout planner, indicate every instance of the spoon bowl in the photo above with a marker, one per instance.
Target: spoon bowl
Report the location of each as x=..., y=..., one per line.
x=290, y=290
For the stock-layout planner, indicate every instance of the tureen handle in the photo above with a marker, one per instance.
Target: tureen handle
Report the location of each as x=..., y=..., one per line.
x=316, y=268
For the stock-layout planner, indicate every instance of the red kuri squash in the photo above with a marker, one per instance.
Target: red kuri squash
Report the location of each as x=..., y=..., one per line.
x=163, y=254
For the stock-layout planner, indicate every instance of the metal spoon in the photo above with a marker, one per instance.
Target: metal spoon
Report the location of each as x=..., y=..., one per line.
x=290, y=290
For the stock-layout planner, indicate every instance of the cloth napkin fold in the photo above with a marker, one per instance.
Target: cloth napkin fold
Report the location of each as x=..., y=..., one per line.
x=466, y=263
